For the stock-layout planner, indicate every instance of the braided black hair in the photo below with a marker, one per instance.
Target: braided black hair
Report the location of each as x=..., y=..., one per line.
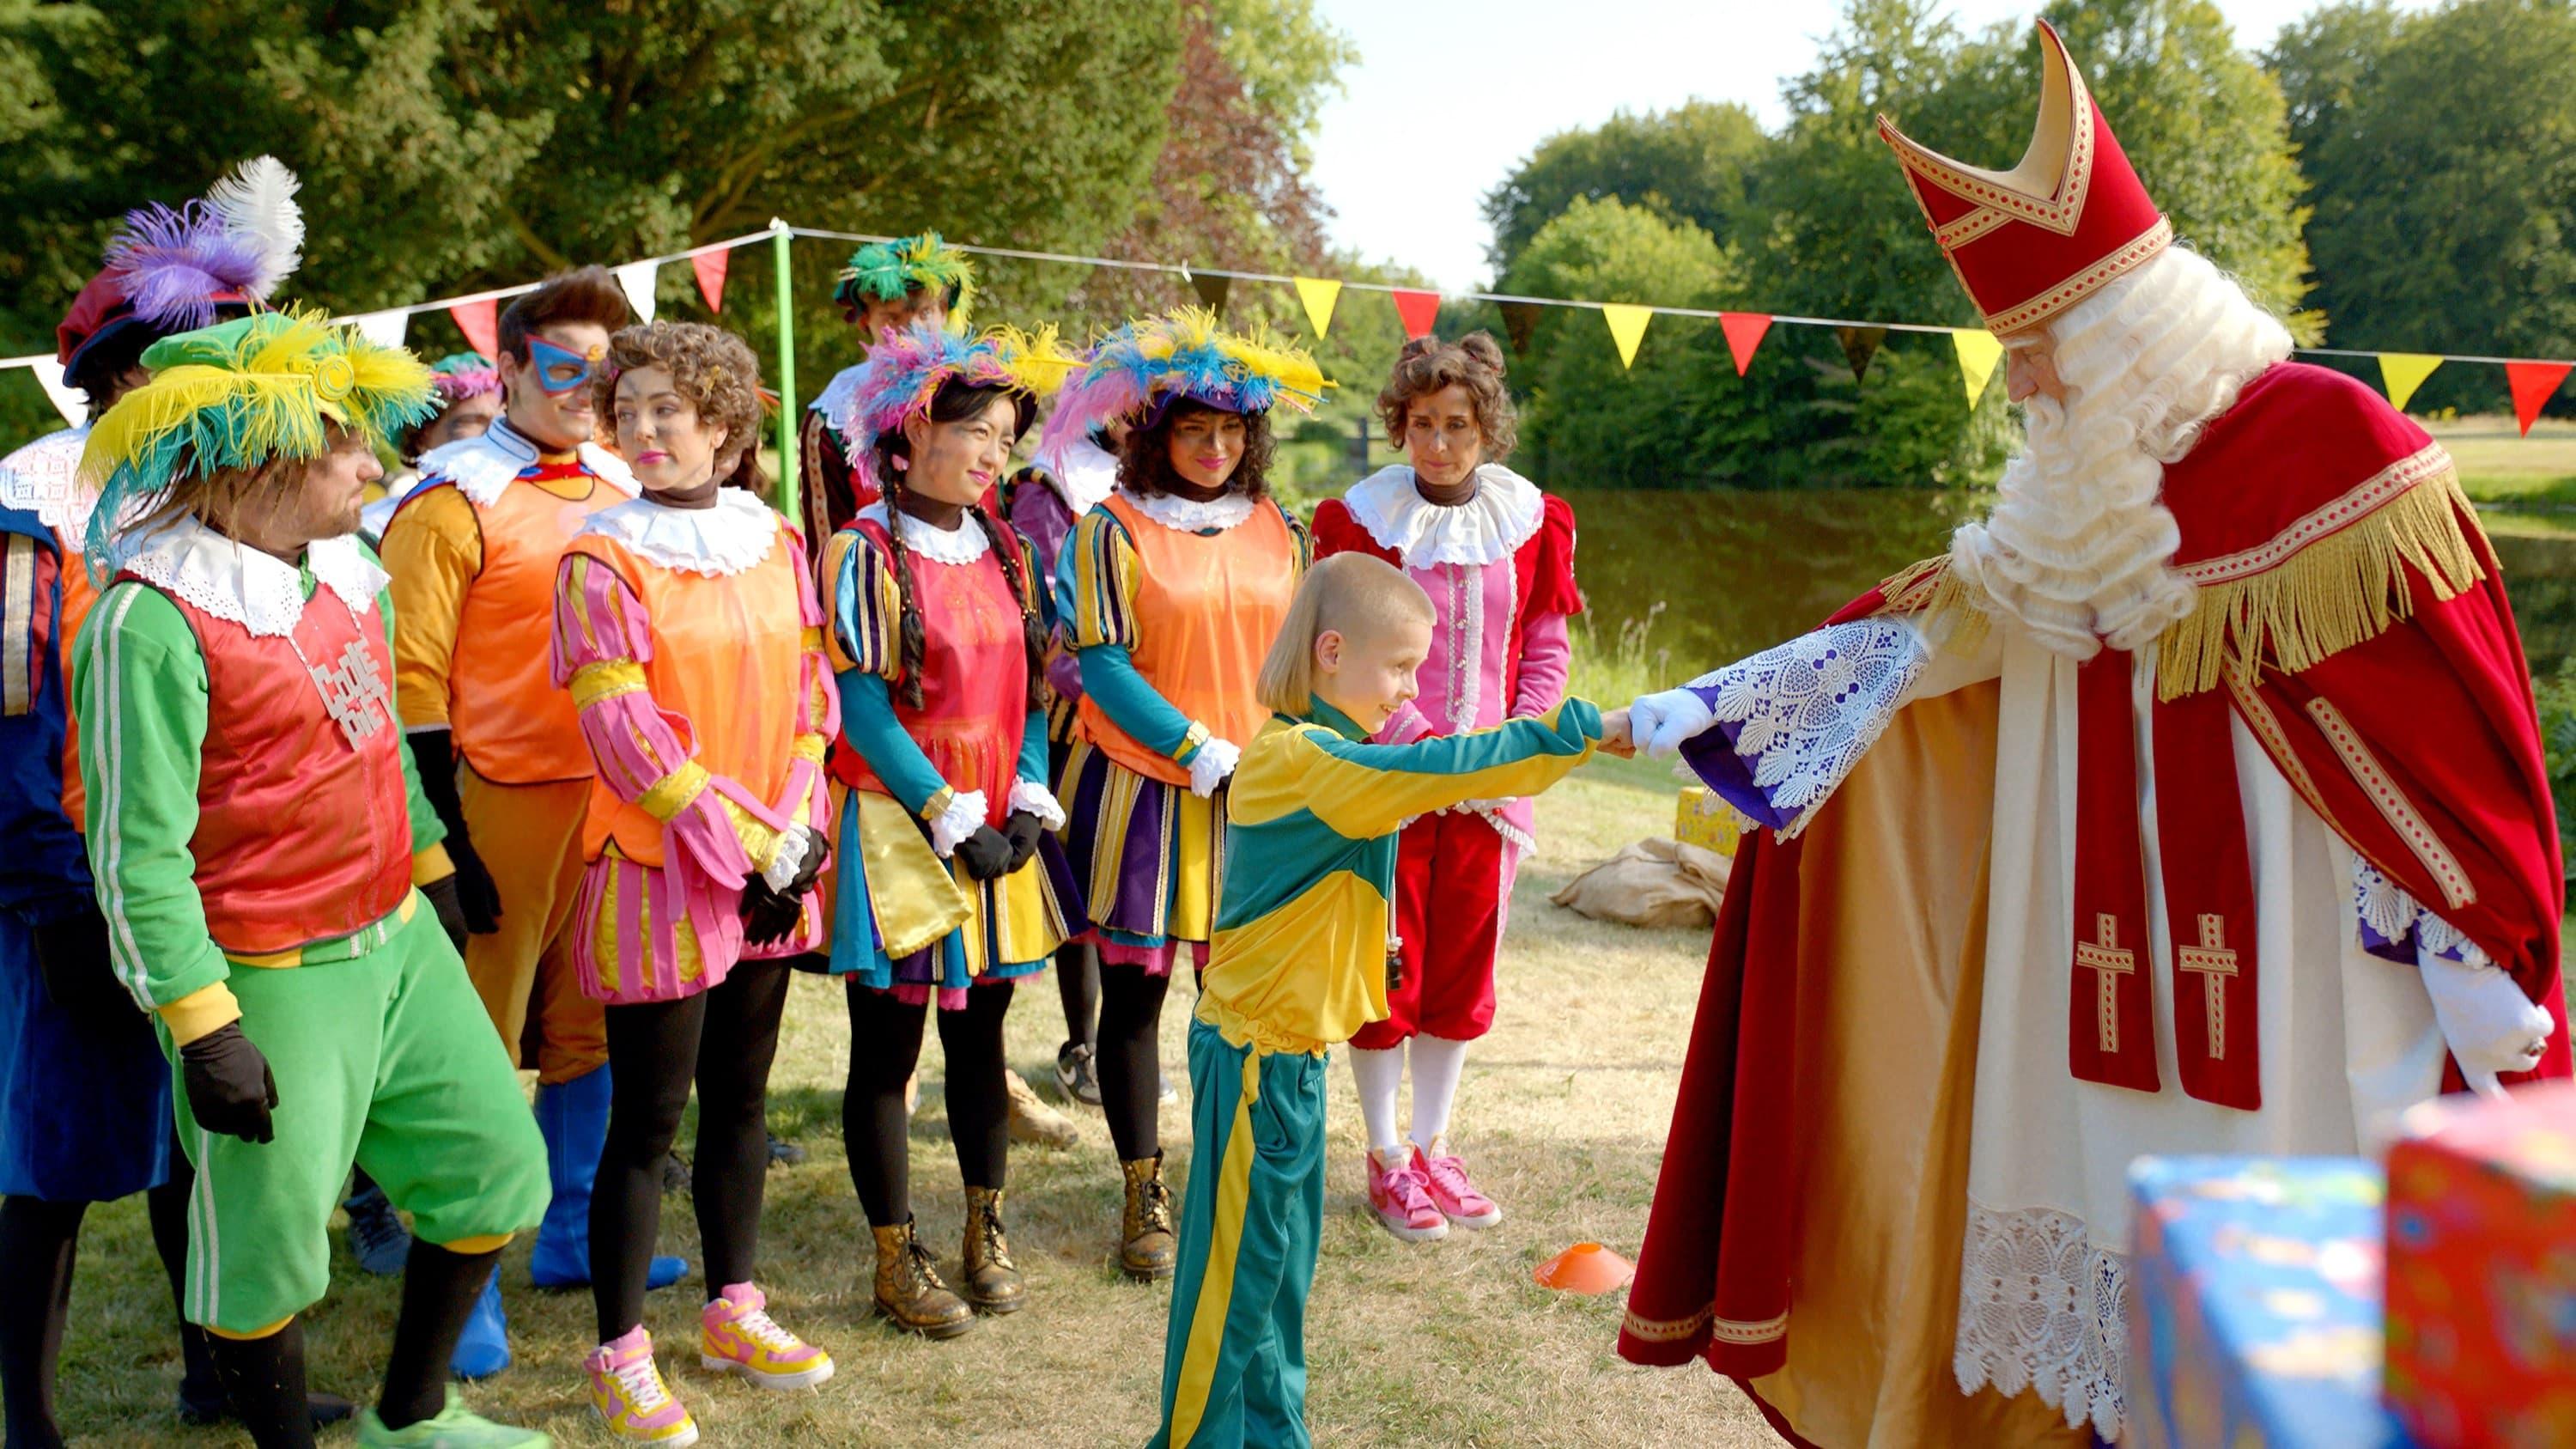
x=956, y=401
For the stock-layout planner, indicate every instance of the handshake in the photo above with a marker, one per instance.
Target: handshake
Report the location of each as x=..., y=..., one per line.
x=1616, y=737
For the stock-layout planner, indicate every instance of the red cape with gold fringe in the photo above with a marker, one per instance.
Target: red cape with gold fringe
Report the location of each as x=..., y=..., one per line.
x=2352, y=608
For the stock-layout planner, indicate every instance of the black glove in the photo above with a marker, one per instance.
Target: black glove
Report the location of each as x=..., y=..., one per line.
x=986, y=854
x=444, y=899
x=230, y=1089
x=818, y=853
x=769, y=917
x=71, y=956
x=1025, y=831
x=435, y=759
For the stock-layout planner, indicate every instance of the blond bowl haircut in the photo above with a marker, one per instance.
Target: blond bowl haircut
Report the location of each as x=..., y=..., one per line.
x=1355, y=595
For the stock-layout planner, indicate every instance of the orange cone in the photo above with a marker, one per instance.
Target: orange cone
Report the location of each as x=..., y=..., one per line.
x=1586, y=1268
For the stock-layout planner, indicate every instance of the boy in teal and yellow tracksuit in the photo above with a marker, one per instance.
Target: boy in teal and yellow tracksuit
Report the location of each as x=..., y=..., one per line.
x=1299, y=963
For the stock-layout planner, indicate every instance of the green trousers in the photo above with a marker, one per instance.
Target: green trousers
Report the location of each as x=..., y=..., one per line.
x=384, y=1058
x=1234, y=1355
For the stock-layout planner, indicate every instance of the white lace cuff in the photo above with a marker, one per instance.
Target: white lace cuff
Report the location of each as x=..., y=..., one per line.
x=1792, y=721
x=1030, y=797
x=786, y=859
x=2394, y=926
x=1209, y=768
x=963, y=817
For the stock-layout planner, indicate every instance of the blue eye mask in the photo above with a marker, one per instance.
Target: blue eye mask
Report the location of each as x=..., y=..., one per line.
x=560, y=369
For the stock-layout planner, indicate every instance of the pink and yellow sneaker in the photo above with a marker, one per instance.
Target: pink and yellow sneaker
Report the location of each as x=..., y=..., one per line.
x=1451, y=1190
x=1401, y=1198
x=627, y=1390
x=740, y=1338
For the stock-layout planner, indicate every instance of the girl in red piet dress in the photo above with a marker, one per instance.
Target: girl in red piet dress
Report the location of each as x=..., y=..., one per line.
x=1497, y=558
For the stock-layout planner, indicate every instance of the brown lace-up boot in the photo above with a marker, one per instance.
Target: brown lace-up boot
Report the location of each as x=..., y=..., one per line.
x=1146, y=1248
x=908, y=1289
x=992, y=1280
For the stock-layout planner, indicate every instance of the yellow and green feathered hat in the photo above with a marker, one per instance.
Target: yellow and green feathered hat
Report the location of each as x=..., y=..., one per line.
x=1138, y=370
x=886, y=271
x=242, y=393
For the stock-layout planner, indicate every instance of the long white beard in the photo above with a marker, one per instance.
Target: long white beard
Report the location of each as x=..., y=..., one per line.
x=2078, y=546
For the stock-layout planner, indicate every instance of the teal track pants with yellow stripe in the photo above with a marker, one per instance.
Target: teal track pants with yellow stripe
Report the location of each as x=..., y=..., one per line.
x=1234, y=1356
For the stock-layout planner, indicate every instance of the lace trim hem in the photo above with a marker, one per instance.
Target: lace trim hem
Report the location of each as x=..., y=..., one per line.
x=2041, y=1308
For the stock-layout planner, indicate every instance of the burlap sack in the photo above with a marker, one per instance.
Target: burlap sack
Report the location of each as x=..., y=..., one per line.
x=1655, y=882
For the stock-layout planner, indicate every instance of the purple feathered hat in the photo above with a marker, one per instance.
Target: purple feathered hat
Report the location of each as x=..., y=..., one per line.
x=173, y=269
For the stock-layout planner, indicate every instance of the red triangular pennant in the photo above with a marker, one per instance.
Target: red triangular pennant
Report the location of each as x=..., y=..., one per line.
x=481, y=324
x=1420, y=311
x=710, y=267
x=1743, y=334
x=2532, y=384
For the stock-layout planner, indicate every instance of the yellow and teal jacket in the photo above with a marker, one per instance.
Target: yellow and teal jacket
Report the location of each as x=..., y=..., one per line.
x=1302, y=926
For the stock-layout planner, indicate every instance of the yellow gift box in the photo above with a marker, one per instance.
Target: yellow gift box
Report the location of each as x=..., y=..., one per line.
x=1707, y=821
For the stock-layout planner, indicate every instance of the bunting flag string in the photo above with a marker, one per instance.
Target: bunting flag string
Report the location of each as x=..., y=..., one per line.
x=1979, y=351
x=1319, y=294
x=2403, y=372
x=1744, y=332
x=2532, y=382
x=1419, y=310
x=1627, y=327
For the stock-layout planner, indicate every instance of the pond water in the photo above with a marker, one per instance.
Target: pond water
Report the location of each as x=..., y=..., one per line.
x=1738, y=571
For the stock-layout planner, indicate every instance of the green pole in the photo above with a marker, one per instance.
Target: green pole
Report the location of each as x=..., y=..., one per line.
x=789, y=412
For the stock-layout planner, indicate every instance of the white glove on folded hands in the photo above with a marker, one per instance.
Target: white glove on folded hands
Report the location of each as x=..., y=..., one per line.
x=1209, y=768
x=1660, y=722
x=2488, y=1023
x=786, y=859
x=963, y=817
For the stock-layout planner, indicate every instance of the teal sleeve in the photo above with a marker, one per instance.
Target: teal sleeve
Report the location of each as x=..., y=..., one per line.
x=868, y=722
x=1109, y=676
x=141, y=691
x=1363, y=790
x=1033, y=748
x=426, y=828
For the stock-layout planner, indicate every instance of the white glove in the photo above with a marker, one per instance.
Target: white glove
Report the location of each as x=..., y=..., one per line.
x=785, y=859
x=963, y=817
x=1209, y=768
x=1660, y=722
x=1035, y=799
x=2489, y=1024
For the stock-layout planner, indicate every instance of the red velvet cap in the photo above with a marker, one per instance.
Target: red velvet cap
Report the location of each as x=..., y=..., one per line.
x=2033, y=241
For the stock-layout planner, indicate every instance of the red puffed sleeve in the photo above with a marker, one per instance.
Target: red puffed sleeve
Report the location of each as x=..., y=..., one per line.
x=1336, y=531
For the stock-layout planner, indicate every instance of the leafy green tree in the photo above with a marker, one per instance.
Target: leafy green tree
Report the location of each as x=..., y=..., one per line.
x=2445, y=173
x=1688, y=164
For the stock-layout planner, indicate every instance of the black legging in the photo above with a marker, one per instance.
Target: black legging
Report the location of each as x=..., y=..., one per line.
x=885, y=1045
x=1131, y=1058
x=724, y=1039
x=1077, y=981
x=39, y=1243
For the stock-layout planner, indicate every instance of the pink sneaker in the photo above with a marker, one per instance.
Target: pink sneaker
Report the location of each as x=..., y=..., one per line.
x=629, y=1394
x=1401, y=1198
x=1452, y=1191
x=740, y=1338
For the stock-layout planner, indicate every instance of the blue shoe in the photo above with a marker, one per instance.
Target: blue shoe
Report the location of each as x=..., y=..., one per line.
x=483, y=1349
x=377, y=1237
x=573, y=1118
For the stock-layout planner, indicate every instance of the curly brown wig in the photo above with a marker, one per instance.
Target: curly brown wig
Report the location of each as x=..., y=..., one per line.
x=1473, y=362
x=1145, y=463
x=709, y=366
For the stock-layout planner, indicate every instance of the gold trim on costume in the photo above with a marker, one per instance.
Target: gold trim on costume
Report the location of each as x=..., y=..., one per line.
x=606, y=679
x=17, y=618
x=665, y=798
x=915, y=901
x=2139, y=250
x=2393, y=804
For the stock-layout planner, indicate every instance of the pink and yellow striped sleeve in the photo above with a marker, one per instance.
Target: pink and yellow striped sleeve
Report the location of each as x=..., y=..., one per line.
x=647, y=754
x=805, y=798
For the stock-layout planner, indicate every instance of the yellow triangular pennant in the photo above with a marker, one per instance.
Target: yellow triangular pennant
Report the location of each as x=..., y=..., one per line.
x=1979, y=351
x=1627, y=327
x=1319, y=294
x=2403, y=372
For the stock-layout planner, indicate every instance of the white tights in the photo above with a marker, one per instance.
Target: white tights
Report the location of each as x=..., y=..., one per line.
x=1379, y=1075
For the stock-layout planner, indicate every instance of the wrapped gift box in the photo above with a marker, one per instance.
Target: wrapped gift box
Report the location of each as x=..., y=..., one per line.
x=2482, y=1270
x=2254, y=1311
x=1707, y=821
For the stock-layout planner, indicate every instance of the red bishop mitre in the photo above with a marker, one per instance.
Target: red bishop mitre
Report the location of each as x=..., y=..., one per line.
x=2030, y=242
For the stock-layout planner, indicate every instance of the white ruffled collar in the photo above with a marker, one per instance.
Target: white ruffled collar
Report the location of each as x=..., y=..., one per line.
x=732, y=537
x=1084, y=474
x=1190, y=515
x=230, y=580
x=43, y=478
x=963, y=544
x=481, y=467
x=835, y=400
x=1488, y=528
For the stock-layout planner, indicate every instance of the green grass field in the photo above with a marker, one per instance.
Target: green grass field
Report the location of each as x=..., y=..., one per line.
x=1563, y=1114
x=2499, y=465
